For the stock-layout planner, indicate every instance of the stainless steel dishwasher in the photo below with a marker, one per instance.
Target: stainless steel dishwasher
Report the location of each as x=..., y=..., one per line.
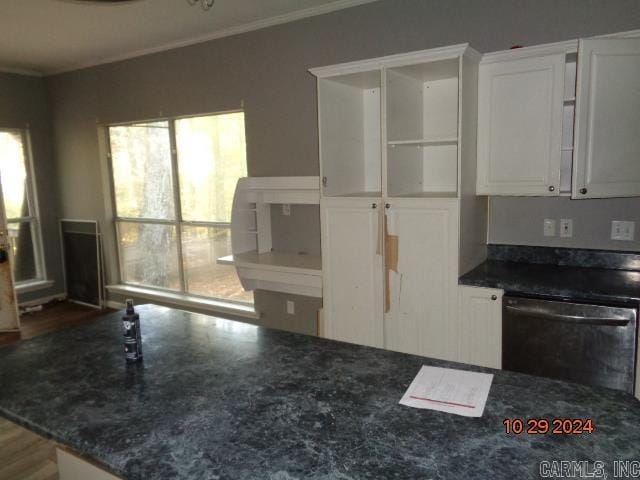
x=576, y=342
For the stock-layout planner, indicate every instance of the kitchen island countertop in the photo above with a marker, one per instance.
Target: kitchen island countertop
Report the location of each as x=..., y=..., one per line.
x=218, y=399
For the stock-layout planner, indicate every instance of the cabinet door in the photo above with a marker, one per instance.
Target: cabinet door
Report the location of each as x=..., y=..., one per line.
x=480, y=336
x=520, y=126
x=607, y=128
x=352, y=270
x=421, y=264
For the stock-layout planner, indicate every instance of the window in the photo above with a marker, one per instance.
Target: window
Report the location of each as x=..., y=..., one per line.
x=173, y=184
x=16, y=181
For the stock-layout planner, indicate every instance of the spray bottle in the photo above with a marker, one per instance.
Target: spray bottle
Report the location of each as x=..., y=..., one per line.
x=132, y=337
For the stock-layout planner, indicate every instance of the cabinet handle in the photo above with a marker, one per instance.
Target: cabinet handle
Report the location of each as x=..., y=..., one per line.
x=494, y=297
x=374, y=205
x=387, y=206
x=551, y=188
x=324, y=181
x=583, y=191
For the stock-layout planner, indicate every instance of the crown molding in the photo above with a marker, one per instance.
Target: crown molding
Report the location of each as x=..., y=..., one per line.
x=570, y=46
x=21, y=71
x=227, y=32
x=565, y=47
x=396, y=60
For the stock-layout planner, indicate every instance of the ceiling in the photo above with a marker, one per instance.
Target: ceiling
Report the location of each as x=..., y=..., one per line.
x=52, y=36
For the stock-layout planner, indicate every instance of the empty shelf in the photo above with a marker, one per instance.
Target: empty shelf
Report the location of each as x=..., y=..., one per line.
x=426, y=195
x=425, y=142
x=277, y=262
x=361, y=194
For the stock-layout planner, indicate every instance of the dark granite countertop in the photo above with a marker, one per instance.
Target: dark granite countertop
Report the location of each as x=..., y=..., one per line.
x=579, y=283
x=218, y=399
x=560, y=273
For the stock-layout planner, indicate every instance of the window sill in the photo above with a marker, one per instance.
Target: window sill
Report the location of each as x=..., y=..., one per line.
x=33, y=286
x=184, y=300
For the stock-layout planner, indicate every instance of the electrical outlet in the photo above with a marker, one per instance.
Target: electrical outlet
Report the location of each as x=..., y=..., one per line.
x=549, y=227
x=291, y=307
x=566, y=227
x=286, y=209
x=621, y=230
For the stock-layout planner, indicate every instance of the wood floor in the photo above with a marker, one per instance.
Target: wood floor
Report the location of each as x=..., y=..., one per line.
x=23, y=454
x=54, y=316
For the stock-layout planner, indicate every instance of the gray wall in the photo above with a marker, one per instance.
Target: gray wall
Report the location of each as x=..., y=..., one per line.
x=23, y=103
x=519, y=221
x=266, y=70
x=298, y=232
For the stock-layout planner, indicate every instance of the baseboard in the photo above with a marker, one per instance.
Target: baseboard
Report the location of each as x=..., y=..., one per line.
x=43, y=300
x=113, y=304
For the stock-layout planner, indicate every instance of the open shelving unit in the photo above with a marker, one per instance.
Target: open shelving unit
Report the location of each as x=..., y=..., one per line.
x=258, y=266
x=422, y=128
x=391, y=128
x=349, y=109
x=568, y=120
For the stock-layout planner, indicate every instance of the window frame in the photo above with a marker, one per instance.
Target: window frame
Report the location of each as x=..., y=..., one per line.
x=178, y=223
x=33, y=219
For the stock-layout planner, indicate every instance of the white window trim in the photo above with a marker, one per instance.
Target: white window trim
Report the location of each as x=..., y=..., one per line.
x=186, y=300
x=41, y=279
x=179, y=298
x=33, y=286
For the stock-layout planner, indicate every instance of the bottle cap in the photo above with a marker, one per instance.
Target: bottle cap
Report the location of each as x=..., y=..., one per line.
x=130, y=309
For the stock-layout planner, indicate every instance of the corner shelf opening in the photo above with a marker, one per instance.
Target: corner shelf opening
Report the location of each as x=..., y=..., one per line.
x=257, y=265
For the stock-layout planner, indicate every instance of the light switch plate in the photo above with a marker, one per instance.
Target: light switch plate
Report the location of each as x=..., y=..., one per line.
x=566, y=227
x=286, y=209
x=622, y=230
x=549, y=227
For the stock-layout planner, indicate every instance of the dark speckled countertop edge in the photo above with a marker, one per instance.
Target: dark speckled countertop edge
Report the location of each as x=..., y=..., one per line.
x=563, y=273
x=515, y=287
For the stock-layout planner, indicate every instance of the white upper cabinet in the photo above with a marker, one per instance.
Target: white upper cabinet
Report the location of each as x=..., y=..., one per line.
x=561, y=119
x=607, y=122
x=520, y=126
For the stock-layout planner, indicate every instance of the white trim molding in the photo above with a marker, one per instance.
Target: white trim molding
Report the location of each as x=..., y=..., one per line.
x=33, y=286
x=569, y=46
x=21, y=71
x=43, y=300
x=400, y=59
x=226, y=32
x=183, y=300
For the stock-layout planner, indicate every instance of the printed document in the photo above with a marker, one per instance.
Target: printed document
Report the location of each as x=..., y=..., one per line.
x=448, y=390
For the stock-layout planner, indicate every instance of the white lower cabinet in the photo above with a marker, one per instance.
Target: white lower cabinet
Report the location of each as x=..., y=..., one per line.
x=72, y=467
x=390, y=273
x=421, y=252
x=352, y=270
x=480, y=323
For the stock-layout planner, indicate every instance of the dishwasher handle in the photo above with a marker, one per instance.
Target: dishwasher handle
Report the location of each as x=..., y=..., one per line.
x=563, y=317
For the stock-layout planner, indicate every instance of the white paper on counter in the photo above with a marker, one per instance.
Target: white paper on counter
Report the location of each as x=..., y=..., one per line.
x=448, y=390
